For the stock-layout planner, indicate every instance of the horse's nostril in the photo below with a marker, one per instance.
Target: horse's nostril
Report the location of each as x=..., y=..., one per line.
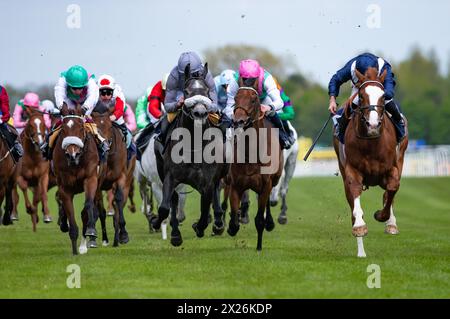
x=379, y=123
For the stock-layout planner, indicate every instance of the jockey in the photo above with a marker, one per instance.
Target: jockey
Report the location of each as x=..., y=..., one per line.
x=222, y=81
x=269, y=95
x=9, y=135
x=20, y=116
x=111, y=92
x=361, y=63
x=174, y=99
x=142, y=119
x=130, y=119
x=76, y=87
x=287, y=113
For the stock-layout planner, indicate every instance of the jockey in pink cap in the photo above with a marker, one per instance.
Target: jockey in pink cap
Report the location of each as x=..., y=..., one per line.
x=19, y=115
x=269, y=96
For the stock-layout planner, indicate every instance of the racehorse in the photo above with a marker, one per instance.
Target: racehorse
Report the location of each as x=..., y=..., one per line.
x=9, y=170
x=370, y=156
x=114, y=176
x=290, y=161
x=250, y=174
x=203, y=175
x=34, y=168
x=76, y=165
x=146, y=173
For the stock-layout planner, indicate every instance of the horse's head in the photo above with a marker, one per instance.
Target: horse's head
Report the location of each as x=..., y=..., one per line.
x=247, y=104
x=196, y=94
x=101, y=116
x=74, y=133
x=371, y=102
x=35, y=128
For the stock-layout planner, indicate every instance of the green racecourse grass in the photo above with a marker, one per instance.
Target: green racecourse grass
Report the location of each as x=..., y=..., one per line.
x=313, y=256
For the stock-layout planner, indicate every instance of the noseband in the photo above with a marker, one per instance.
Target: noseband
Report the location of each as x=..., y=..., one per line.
x=75, y=140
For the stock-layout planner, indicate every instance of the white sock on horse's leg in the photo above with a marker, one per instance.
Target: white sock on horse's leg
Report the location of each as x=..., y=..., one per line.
x=164, y=229
x=83, y=247
x=358, y=213
x=361, y=252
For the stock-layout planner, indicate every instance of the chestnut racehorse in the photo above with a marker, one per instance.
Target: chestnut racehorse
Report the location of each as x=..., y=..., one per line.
x=371, y=155
x=34, y=169
x=76, y=161
x=250, y=174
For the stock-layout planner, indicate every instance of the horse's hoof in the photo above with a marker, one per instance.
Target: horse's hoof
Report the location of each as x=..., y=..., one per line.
x=123, y=238
x=110, y=213
x=200, y=233
x=132, y=209
x=282, y=219
x=64, y=227
x=176, y=240
x=14, y=217
x=105, y=243
x=380, y=217
x=116, y=243
x=92, y=243
x=181, y=217
x=391, y=230
x=270, y=225
x=273, y=203
x=217, y=231
x=232, y=231
x=360, y=231
x=48, y=219
x=83, y=250
x=156, y=223
x=91, y=232
x=224, y=207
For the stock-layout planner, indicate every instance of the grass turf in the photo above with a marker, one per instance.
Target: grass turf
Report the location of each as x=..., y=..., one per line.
x=313, y=256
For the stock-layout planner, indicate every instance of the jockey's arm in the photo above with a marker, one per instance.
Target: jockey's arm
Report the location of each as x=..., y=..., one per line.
x=273, y=93
x=130, y=119
x=287, y=113
x=155, y=100
x=231, y=93
x=389, y=83
x=172, y=94
x=340, y=77
x=141, y=115
x=120, y=102
x=17, y=117
x=4, y=105
x=60, y=92
x=92, y=97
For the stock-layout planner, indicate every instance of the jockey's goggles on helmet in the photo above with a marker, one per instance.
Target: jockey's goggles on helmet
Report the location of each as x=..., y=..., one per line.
x=106, y=92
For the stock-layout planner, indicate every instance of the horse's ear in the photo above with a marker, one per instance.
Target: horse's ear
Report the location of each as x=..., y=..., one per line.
x=205, y=70
x=187, y=72
x=64, y=110
x=256, y=84
x=383, y=76
x=240, y=82
x=360, y=76
x=78, y=110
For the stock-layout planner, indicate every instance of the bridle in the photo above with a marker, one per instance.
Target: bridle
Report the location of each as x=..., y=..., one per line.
x=82, y=128
x=251, y=116
x=31, y=137
x=361, y=109
x=187, y=111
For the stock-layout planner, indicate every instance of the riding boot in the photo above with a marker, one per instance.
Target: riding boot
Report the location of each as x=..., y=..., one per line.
x=224, y=124
x=289, y=132
x=341, y=121
x=397, y=118
x=283, y=136
x=13, y=144
x=164, y=127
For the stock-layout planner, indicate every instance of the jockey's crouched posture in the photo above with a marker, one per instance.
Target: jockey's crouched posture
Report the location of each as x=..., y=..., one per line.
x=174, y=98
x=111, y=93
x=74, y=88
x=5, y=130
x=269, y=96
x=362, y=63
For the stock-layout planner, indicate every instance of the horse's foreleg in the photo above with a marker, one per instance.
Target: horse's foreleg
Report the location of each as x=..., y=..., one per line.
x=387, y=213
x=181, y=215
x=110, y=198
x=67, y=203
x=260, y=221
x=353, y=190
x=201, y=225
x=219, y=224
x=226, y=196
x=235, y=199
x=102, y=215
x=44, y=199
x=245, y=204
x=90, y=189
x=62, y=217
x=164, y=208
x=175, y=237
x=131, y=205
x=120, y=198
x=289, y=169
x=15, y=197
x=23, y=185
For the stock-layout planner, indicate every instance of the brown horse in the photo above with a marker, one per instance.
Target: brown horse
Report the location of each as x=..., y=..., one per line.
x=371, y=156
x=8, y=175
x=76, y=161
x=260, y=174
x=113, y=177
x=34, y=168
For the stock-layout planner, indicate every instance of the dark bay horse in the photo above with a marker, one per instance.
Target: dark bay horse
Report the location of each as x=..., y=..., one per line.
x=76, y=165
x=250, y=174
x=201, y=174
x=8, y=175
x=113, y=176
x=371, y=156
x=34, y=168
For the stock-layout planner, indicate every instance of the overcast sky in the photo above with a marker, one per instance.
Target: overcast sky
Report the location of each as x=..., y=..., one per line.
x=138, y=41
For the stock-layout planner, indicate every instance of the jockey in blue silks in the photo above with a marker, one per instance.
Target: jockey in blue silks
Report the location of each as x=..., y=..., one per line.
x=361, y=63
